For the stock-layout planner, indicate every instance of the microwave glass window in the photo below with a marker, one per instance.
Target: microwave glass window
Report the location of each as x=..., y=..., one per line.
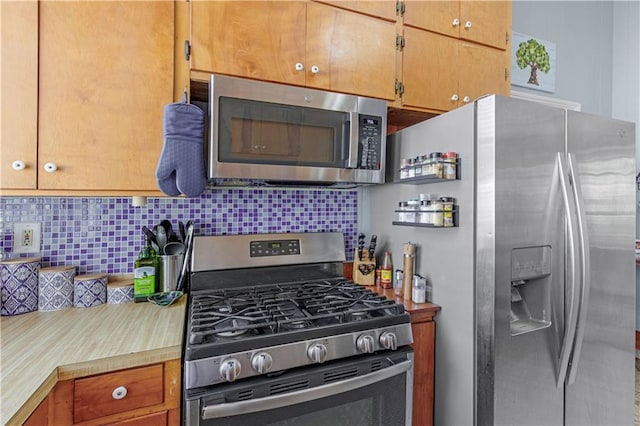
x=262, y=132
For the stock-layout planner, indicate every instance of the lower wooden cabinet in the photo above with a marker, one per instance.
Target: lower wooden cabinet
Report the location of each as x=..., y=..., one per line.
x=424, y=334
x=140, y=396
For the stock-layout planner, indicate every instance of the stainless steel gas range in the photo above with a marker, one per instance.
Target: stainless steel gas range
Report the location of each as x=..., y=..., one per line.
x=276, y=336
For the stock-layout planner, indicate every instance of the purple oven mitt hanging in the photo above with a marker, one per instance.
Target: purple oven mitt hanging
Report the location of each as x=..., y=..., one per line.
x=181, y=167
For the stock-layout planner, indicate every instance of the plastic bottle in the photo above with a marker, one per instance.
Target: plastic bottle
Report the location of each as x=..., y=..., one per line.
x=144, y=274
x=386, y=271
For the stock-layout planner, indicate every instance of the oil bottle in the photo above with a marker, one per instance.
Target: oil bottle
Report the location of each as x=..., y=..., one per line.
x=144, y=274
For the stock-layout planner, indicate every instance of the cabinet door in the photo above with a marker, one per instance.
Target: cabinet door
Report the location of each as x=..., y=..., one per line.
x=353, y=53
x=486, y=22
x=19, y=93
x=106, y=72
x=384, y=9
x=424, y=335
x=436, y=16
x=483, y=71
x=257, y=39
x=430, y=70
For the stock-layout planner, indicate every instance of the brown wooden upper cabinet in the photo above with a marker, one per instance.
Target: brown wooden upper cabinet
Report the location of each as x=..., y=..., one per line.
x=303, y=43
x=454, y=52
x=480, y=21
x=98, y=74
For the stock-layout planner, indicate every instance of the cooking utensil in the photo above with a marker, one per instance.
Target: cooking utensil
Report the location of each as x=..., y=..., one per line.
x=149, y=234
x=161, y=238
x=183, y=233
x=360, y=245
x=174, y=248
x=187, y=255
x=372, y=246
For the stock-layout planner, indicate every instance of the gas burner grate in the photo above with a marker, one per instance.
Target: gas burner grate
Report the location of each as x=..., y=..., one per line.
x=243, y=312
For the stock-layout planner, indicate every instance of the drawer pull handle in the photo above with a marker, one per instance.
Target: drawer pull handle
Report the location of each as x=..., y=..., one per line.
x=119, y=392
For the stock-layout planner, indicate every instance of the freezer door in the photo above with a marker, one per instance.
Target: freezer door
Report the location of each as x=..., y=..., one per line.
x=520, y=250
x=603, y=390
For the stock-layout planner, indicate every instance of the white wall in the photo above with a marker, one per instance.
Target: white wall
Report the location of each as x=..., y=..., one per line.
x=582, y=33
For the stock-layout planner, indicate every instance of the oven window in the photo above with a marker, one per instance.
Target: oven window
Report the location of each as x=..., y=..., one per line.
x=261, y=132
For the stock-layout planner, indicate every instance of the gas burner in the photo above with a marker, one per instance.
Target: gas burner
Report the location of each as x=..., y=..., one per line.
x=359, y=315
x=237, y=327
x=295, y=325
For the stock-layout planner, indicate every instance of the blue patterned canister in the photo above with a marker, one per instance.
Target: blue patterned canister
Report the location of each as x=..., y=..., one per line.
x=19, y=285
x=89, y=290
x=55, y=288
x=119, y=292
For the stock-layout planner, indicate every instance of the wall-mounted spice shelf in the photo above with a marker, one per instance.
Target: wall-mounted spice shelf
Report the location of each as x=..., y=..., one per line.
x=431, y=178
x=428, y=225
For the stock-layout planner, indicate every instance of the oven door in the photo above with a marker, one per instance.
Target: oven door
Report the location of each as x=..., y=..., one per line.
x=361, y=391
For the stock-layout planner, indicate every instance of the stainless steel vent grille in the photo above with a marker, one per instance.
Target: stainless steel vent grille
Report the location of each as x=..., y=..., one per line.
x=244, y=395
x=334, y=376
x=288, y=387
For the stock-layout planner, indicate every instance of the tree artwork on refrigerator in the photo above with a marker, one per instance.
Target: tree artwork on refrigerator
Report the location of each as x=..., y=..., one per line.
x=533, y=54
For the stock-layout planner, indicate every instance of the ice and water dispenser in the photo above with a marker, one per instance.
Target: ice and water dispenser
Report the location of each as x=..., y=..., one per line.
x=530, y=289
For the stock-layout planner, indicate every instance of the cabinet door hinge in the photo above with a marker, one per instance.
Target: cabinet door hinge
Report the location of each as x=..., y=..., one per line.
x=506, y=74
x=399, y=42
x=400, y=8
x=187, y=50
x=506, y=37
x=399, y=88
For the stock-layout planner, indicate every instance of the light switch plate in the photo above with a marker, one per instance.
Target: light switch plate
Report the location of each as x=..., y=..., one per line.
x=27, y=237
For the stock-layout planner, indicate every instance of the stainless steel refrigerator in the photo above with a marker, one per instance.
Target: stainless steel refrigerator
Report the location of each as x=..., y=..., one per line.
x=537, y=280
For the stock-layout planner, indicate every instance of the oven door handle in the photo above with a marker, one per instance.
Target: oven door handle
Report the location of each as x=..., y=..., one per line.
x=305, y=395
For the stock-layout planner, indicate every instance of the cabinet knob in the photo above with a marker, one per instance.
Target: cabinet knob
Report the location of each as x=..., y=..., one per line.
x=50, y=167
x=18, y=165
x=315, y=69
x=466, y=99
x=299, y=66
x=454, y=97
x=467, y=25
x=455, y=22
x=119, y=392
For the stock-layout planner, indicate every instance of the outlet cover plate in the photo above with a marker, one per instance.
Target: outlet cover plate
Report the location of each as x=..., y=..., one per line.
x=21, y=228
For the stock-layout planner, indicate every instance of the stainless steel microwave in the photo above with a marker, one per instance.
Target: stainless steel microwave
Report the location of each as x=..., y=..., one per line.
x=275, y=132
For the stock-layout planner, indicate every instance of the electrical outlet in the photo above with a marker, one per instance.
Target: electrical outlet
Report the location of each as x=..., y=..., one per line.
x=26, y=237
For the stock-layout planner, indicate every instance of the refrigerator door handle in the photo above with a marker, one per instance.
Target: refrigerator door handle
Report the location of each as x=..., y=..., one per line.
x=571, y=319
x=585, y=265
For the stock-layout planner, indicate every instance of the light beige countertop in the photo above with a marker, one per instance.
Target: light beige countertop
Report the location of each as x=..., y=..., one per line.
x=39, y=349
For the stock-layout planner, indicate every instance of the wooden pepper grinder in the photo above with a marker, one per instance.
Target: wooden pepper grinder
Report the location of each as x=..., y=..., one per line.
x=408, y=259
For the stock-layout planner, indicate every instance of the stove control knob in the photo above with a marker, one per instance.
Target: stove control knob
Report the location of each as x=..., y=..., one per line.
x=230, y=369
x=364, y=344
x=262, y=362
x=388, y=340
x=317, y=353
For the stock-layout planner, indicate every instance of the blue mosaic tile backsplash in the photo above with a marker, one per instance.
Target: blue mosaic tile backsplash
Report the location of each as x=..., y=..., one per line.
x=104, y=234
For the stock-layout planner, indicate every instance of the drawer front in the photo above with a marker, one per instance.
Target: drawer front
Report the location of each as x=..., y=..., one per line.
x=117, y=392
x=155, y=419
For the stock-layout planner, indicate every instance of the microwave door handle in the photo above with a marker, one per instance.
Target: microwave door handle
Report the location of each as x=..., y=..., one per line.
x=352, y=141
x=301, y=396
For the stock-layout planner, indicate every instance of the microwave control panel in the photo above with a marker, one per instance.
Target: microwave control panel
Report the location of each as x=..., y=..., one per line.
x=370, y=146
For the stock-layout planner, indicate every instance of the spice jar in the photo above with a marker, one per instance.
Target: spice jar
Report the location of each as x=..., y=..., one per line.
x=438, y=213
x=417, y=162
x=402, y=211
x=447, y=213
x=426, y=214
x=449, y=165
x=419, y=290
x=404, y=168
x=411, y=168
x=435, y=164
x=413, y=206
x=424, y=161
